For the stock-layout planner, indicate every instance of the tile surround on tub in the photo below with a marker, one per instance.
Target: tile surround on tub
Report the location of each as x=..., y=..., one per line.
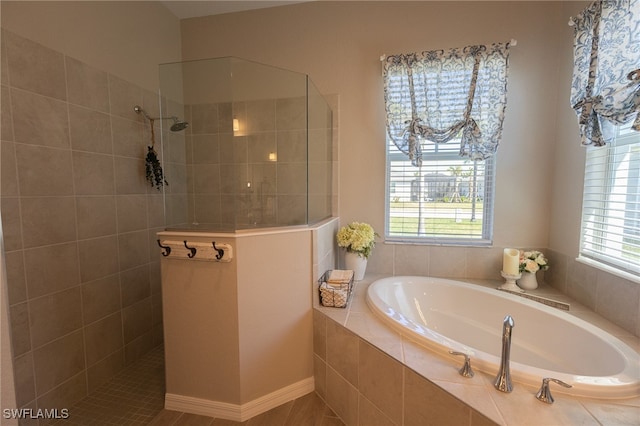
x=612, y=297
x=430, y=384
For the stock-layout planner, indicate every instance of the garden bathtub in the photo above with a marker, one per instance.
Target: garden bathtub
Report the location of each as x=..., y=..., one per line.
x=444, y=315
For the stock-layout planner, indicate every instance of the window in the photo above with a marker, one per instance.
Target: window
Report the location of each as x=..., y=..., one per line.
x=444, y=114
x=447, y=200
x=611, y=203
x=605, y=94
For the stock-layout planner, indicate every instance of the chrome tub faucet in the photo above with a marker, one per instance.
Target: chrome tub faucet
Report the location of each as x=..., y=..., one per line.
x=544, y=394
x=503, y=379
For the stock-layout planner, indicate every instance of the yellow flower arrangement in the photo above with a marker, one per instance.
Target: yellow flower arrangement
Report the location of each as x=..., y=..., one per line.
x=357, y=237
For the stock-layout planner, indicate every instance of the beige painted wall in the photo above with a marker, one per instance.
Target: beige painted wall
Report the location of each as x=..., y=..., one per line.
x=569, y=156
x=128, y=39
x=201, y=334
x=339, y=44
x=236, y=332
x=274, y=312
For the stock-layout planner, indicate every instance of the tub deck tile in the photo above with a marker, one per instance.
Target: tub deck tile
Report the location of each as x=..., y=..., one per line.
x=519, y=407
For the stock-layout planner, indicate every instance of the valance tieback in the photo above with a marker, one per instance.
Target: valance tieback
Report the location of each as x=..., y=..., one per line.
x=441, y=95
x=605, y=90
x=634, y=76
x=598, y=115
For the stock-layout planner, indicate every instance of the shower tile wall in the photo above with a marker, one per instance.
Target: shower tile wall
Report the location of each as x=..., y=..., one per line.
x=79, y=223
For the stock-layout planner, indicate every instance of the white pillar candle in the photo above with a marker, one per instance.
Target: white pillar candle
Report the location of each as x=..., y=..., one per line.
x=511, y=261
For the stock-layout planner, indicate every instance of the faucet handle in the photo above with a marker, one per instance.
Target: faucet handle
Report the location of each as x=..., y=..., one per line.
x=466, y=370
x=544, y=394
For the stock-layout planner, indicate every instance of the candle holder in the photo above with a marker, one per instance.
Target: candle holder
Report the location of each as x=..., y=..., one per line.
x=510, y=282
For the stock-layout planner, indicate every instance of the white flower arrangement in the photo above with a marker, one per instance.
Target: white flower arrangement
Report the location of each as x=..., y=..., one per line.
x=533, y=261
x=357, y=237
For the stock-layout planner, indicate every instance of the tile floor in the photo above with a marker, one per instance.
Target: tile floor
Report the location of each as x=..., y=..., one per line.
x=133, y=397
x=136, y=397
x=308, y=410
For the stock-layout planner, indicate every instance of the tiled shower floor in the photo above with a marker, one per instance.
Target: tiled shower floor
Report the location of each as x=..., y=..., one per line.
x=133, y=397
x=136, y=397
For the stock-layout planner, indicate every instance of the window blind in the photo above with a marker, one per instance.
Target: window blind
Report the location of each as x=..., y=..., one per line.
x=444, y=114
x=449, y=199
x=611, y=203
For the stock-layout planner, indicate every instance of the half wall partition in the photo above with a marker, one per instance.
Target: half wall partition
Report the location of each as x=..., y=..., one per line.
x=257, y=153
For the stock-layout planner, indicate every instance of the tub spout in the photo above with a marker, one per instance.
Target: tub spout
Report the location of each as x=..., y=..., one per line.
x=503, y=379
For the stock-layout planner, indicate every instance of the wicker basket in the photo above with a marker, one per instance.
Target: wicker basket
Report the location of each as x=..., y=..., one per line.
x=334, y=295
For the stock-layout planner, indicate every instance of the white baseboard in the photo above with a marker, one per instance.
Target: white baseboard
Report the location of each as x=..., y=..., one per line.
x=238, y=413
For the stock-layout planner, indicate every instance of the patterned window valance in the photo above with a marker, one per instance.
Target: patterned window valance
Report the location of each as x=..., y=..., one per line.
x=605, y=91
x=445, y=94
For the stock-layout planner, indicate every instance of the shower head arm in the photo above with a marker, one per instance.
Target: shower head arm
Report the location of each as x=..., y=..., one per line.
x=139, y=110
x=177, y=124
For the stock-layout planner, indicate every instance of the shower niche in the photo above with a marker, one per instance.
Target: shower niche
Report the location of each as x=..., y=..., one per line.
x=257, y=152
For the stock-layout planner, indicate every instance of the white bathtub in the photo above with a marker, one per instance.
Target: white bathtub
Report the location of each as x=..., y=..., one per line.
x=448, y=315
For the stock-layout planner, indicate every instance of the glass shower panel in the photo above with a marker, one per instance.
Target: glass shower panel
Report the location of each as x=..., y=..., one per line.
x=257, y=152
x=209, y=99
x=269, y=111
x=320, y=158
x=200, y=91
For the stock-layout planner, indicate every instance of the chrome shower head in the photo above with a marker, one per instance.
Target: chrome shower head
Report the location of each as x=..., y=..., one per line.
x=177, y=126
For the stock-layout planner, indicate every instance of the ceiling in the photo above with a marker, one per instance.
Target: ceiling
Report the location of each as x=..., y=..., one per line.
x=190, y=9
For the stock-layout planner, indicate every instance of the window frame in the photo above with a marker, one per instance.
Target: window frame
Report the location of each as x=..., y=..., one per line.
x=453, y=98
x=613, y=264
x=488, y=197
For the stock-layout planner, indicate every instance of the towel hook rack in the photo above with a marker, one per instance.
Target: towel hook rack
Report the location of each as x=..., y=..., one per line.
x=219, y=250
x=191, y=249
x=167, y=249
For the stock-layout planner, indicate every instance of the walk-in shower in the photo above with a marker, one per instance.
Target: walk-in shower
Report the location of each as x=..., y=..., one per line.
x=257, y=152
x=253, y=166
